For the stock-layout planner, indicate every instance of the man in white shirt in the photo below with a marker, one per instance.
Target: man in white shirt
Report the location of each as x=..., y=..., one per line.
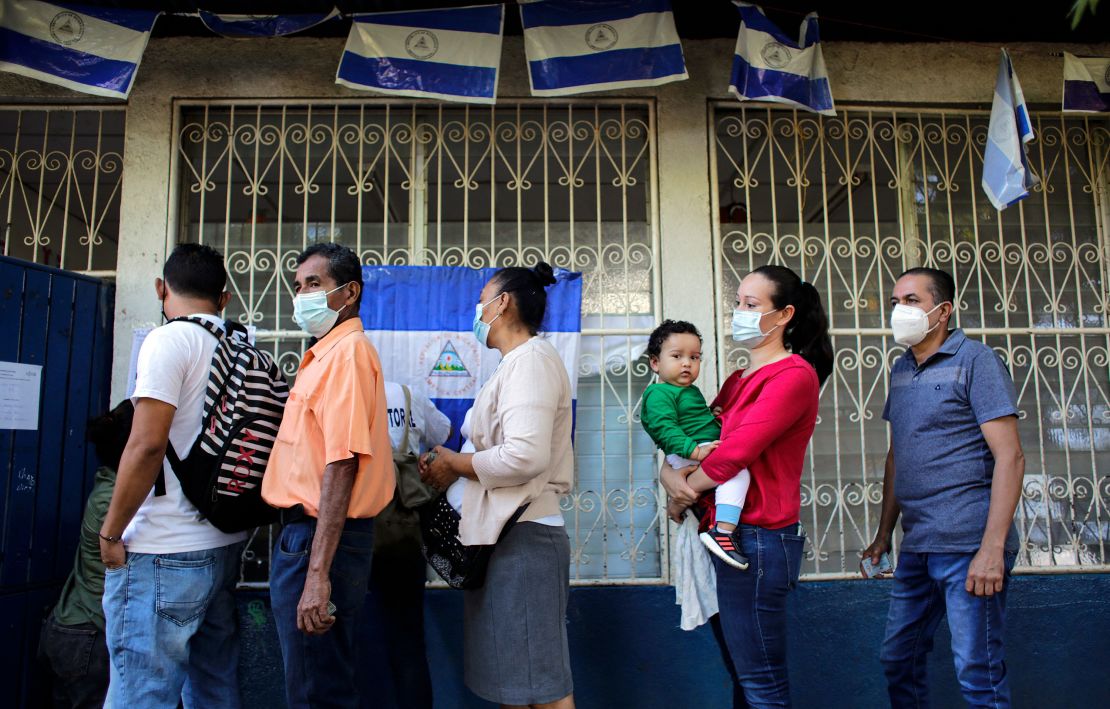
x=168, y=606
x=397, y=573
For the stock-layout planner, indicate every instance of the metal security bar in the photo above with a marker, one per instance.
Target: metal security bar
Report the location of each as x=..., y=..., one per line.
x=852, y=201
x=401, y=183
x=61, y=171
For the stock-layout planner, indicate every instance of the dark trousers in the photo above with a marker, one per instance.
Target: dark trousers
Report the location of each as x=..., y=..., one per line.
x=321, y=670
x=396, y=620
x=77, y=659
x=752, y=614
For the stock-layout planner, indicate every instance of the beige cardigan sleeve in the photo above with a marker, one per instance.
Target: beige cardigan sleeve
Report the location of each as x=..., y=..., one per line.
x=527, y=401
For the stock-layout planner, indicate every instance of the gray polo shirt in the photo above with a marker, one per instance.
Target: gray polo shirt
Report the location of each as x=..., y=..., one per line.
x=943, y=466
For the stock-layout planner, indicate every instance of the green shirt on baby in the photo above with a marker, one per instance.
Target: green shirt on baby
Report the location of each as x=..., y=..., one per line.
x=677, y=418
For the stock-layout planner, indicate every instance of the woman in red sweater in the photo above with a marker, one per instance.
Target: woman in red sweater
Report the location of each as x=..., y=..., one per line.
x=768, y=412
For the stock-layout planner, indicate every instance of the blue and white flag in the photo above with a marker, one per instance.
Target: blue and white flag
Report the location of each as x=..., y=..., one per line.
x=1006, y=173
x=769, y=66
x=90, y=49
x=575, y=46
x=450, y=54
x=1086, y=84
x=420, y=319
x=251, y=26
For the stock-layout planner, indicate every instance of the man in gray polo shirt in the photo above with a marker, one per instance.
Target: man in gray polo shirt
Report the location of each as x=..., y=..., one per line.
x=954, y=473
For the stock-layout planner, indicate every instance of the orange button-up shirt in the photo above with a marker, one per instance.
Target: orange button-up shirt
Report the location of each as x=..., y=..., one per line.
x=335, y=411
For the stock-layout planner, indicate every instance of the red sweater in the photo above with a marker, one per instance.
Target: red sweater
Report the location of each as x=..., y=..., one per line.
x=766, y=422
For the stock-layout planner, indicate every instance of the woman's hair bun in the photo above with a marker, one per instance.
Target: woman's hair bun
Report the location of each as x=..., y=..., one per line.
x=545, y=273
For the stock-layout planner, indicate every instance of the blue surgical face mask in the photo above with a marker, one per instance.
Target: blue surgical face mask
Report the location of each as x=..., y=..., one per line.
x=312, y=314
x=481, y=329
x=745, y=327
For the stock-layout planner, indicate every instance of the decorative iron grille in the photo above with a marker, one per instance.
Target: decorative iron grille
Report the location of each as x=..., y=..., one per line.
x=849, y=203
x=61, y=171
x=571, y=183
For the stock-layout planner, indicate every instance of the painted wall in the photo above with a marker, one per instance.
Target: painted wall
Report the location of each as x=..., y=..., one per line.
x=627, y=651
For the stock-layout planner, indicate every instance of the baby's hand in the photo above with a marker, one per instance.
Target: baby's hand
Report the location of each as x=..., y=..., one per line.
x=702, y=452
x=716, y=411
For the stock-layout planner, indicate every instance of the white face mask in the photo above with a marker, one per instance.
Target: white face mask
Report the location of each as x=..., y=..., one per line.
x=745, y=327
x=911, y=324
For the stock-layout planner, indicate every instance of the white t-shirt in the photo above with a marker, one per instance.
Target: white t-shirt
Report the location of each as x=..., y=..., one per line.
x=173, y=367
x=430, y=426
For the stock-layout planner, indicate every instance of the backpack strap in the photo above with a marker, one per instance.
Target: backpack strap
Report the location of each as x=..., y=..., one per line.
x=407, y=421
x=171, y=454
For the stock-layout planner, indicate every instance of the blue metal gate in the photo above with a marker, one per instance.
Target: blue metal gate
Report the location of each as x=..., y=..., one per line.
x=63, y=322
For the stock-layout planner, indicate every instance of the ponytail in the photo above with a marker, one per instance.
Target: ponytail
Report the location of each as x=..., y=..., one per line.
x=807, y=333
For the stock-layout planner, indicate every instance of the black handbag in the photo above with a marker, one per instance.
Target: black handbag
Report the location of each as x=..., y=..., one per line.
x=461, y=566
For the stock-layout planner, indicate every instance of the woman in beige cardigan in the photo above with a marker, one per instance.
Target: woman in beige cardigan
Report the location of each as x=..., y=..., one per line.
x=515, y=634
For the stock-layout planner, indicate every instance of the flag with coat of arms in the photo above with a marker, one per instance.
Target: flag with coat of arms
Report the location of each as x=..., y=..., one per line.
x=420, y=319
x=769, y=66
x=575, y=46
x=95, y=50
x=1007, y=176
x=452, y=54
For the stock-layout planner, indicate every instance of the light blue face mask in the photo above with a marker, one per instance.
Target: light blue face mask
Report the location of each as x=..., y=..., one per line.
x=312, y=314
x=745, y=327
x=481, y=329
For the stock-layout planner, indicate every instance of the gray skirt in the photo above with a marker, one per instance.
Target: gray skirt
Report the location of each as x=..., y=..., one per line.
x=515, y=630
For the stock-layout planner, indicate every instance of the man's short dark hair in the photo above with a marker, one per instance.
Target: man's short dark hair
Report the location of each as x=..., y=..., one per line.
x=343, y=263
x=667, y=328
x=942, y=288
x=196, y=271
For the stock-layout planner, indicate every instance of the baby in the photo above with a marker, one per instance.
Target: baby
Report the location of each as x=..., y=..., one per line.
x=675, y=415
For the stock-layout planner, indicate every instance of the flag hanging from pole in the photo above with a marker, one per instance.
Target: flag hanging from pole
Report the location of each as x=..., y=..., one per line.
x=1086, y=84
x=89, y=49
x=251, y=26
x=1007, y=177
x=576, y=46
x=450, y=54
x=769, y=66
x=420, y=319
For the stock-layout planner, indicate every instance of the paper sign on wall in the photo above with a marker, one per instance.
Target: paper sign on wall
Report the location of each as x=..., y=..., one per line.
x=20, y=385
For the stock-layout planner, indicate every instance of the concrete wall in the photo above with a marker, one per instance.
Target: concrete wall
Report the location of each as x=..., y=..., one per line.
x=205, y=68
x=627, y=651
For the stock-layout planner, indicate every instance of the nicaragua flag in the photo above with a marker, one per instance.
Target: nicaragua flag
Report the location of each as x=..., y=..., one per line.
x=1006, y=173
x=450, y=54
x=575, y=46
x=90, y=49
x=250, y=26
x=769, y=66
x=1086, y=84
x=421, y=318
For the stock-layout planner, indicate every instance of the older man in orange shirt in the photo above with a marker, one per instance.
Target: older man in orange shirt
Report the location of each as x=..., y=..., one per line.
x=330, y=472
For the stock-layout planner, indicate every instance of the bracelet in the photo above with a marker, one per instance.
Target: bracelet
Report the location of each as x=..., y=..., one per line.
x=110, y=540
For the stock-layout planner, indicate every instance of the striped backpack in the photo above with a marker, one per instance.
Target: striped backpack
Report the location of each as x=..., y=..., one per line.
x=222, y=472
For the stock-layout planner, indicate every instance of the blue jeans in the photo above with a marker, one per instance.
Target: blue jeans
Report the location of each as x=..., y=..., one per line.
x=926, y=585
x=320, y=670
x=753, y=612
x=171, y=629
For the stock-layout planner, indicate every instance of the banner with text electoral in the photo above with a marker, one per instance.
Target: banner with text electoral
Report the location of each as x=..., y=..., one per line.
x=420, y=319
